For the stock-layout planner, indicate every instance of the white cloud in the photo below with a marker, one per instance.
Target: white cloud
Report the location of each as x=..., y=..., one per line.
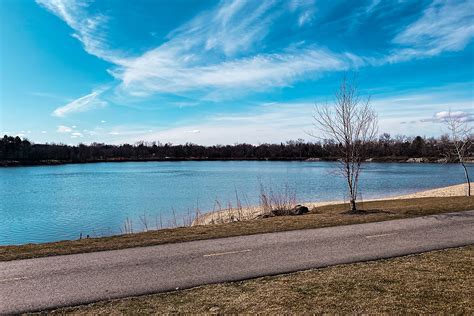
x=158, y=72
x=76, y=134
x=69, y=130
x=232, y=27
x=275, y=122
x=372, y=6
x=306, y=10
x=63, y=129
x=214, y=54
x=411, y=113
x=444, y=26
x=463, y=116
x=305, y=18
x=90, y=30
x=192, y=57
x=82, y=104
x=103, y=121
x=419, y=105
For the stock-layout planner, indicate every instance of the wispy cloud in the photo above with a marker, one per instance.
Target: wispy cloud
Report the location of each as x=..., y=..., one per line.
x=274, y=122
x=48, y=96
x=444, y=26
x=220, y=53
x=233, y=27
x=414, y=112
x=305, y=18
x=415, y=105
x=460, y=115
x=89, y=29
x=156, y=72
x=372, y=6
x=306, y=10
x=266, y=123
x=82, y=104
x=186, y=104
x=192, y=60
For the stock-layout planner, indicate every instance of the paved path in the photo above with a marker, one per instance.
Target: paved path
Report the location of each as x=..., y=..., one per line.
x=36, y=284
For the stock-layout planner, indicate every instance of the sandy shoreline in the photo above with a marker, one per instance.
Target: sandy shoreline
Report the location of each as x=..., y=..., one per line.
x=249, y=213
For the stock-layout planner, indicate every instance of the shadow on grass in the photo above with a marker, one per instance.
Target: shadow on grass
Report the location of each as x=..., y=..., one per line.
x=366, y=212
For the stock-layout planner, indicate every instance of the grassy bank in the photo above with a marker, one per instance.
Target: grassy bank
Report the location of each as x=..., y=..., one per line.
x=330, y=215
x=438, y=282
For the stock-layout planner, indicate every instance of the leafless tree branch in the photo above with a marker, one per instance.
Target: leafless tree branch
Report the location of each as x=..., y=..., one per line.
x=461, y=136
x=352, y=123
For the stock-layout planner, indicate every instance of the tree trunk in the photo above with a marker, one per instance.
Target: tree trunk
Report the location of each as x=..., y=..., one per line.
x=353, y=205
x=467, y=179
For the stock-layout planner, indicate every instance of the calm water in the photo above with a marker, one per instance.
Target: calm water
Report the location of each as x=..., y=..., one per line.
x=49, y=203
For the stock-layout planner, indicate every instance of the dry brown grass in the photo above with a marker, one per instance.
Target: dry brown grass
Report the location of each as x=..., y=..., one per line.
x=331, y=215
x=438, y=282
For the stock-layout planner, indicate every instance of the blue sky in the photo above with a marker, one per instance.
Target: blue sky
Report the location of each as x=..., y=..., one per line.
x=222, y=72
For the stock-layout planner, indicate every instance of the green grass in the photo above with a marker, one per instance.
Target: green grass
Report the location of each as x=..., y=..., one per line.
x=319, y=217
x=438, y=282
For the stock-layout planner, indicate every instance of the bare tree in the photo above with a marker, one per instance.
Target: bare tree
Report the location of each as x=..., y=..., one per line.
x=351, y=122
x=460, y=134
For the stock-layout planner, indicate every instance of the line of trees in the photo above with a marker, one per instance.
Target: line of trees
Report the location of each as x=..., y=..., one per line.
x=384, y=148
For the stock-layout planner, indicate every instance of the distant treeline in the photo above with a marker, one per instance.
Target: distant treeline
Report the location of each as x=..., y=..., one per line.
x=18, y=151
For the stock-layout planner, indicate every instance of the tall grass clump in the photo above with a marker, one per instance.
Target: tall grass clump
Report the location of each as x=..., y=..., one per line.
x=279, y=203
x=127, y=227
x=271, y=203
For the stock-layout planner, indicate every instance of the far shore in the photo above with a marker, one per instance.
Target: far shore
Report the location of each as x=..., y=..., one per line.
x=253, y=212
x=396, y=159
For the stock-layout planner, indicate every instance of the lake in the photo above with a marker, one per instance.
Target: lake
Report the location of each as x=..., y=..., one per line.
x=50, y=203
